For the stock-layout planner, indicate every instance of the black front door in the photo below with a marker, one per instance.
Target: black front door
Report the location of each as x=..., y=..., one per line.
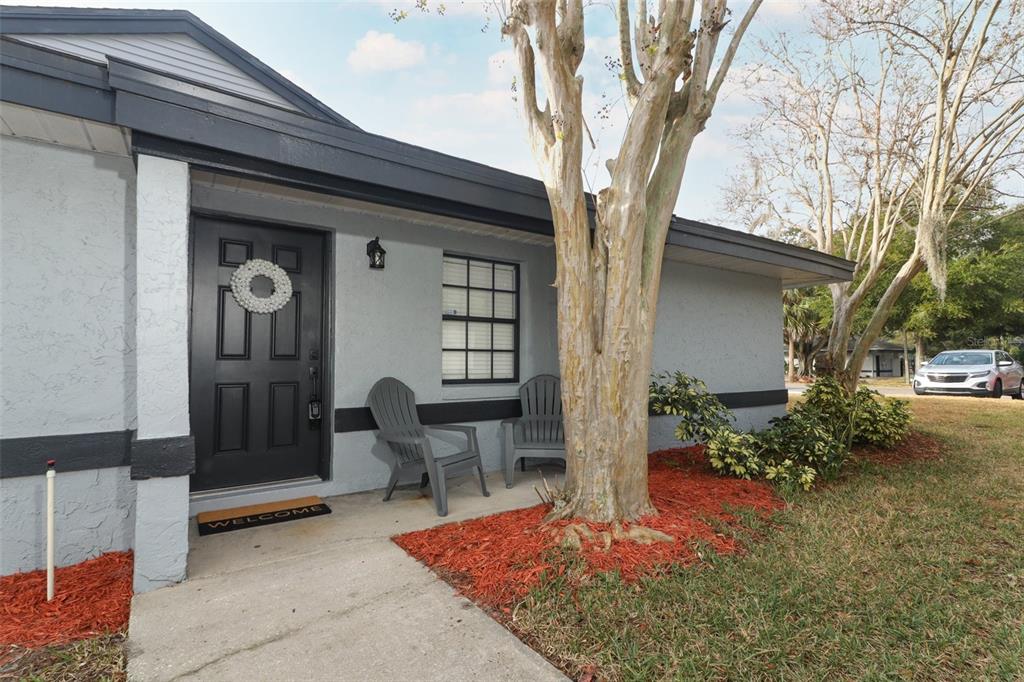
x=253, y=375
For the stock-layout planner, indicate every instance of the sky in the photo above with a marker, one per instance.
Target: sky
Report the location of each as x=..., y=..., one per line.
x=444, y=82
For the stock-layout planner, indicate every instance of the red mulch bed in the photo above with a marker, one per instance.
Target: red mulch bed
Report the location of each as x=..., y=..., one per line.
x=915, y=447
x=495, y=560
x=90, y=598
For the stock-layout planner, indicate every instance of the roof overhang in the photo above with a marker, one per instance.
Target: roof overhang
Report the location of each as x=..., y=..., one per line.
x=221, y=132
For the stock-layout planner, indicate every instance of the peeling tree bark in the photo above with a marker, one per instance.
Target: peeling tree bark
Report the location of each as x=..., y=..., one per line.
x=608, y=278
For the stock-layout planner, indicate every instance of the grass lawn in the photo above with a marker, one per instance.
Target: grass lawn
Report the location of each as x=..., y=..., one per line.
x=99, y=659
x=911, y=571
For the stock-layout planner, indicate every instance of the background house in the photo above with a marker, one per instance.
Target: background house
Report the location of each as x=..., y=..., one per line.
x=145, y=158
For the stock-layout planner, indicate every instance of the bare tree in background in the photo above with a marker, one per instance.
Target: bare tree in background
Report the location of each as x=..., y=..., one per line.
x=894, y=115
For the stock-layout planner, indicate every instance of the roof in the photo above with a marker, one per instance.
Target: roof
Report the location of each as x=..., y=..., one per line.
x=312, y=147
x=63, y=21
x=882, y=344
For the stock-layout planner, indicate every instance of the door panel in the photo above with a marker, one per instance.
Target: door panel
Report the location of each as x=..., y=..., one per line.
x=252, y=374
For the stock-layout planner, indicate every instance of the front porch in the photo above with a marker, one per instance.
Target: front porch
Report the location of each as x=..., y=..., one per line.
x=332, y=597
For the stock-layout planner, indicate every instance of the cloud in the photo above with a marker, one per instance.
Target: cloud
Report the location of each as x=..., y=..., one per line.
x=378, y=51
x=501, y=67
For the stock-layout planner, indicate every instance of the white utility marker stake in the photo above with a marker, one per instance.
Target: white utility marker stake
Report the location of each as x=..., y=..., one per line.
x=51, y=474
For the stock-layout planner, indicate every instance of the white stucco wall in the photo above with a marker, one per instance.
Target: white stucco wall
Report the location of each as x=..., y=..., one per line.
x=722, y=327
x=66, y=340
x=162, y=304
x=66, y=226
x=162, y=310
x=94, y=512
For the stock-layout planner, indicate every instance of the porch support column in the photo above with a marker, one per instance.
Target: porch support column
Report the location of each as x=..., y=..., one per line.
x=162, y=454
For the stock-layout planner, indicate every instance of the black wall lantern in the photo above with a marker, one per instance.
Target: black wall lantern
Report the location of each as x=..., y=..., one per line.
x=376, y=253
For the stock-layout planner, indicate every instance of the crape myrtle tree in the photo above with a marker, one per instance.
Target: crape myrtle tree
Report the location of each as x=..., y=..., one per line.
x=674, y=55
x=889, y=117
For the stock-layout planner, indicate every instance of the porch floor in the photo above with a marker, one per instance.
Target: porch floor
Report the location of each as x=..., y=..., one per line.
x=331, y=597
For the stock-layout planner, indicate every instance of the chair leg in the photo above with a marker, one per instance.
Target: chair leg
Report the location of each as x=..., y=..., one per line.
x=508, y=454
x=392, y=482
x=483, y=484
x=510, y=470
x=440, y=492
x=424, y=480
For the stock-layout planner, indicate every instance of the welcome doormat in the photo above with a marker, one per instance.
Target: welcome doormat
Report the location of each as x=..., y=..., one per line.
x=254, y=515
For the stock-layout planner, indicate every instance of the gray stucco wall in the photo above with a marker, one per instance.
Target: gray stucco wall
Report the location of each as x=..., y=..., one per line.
x=94, y=513
x=66, y=339
x=722, y=327
x=66, y=227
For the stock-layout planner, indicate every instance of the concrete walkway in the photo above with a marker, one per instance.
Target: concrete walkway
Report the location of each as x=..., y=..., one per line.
x=330, y=598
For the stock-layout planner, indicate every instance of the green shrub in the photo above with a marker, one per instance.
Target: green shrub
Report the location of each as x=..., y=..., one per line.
x=734, y=453
x=813, y=440
x=802, y=439
x=703, y=414
x=828, y=403
x=880, y=421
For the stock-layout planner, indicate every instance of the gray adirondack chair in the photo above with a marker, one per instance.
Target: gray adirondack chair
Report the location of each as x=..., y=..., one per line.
x=539, y=432
x=393, y=405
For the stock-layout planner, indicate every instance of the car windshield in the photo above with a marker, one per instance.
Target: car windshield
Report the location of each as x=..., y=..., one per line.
x=974, y=358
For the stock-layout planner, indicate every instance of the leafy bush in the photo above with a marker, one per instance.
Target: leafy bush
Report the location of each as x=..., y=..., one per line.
x=734, y=453
x=881, y=422
x=802, y=438
x=703, y=414
x=828, y=403
x=813, y=440
x=864, y=418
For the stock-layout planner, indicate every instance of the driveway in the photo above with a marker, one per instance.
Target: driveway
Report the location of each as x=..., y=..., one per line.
x=898, y=391
x=330, y=598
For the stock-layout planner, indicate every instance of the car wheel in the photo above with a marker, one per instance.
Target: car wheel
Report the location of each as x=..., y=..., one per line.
x=919, y=391
x=997, y=390
x=1019, y=395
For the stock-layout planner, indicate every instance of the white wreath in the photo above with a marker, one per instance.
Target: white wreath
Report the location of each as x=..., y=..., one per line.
x=241, y=286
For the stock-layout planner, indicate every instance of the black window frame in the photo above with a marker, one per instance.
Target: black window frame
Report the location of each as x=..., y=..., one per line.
x=492, y=320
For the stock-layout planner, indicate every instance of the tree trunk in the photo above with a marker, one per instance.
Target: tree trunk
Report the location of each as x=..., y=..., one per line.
x=906, y=359
x=918, y=351
x=907, y=272
x=790, y=367
x=606, y=421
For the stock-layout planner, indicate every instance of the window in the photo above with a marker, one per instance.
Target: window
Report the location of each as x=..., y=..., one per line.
x=479, y=321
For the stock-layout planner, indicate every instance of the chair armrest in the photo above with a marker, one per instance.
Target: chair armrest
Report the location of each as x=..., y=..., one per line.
x=401, y=438
x=468, y=430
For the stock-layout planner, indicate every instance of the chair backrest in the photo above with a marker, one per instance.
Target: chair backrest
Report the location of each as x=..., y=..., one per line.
x=393, y=406
x=541, y=396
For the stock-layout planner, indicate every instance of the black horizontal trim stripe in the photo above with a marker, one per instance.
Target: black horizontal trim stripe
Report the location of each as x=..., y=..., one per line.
x=348, y=419
x=741, y=399
x=74, y=452
x=148, y=458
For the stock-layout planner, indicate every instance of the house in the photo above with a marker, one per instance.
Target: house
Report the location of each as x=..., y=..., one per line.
x=149, y=165
x=886, y=359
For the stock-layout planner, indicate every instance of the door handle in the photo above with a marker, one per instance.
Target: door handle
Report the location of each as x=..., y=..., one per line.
x=315, y=406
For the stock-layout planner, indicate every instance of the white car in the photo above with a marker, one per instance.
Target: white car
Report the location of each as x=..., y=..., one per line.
x=971, y=372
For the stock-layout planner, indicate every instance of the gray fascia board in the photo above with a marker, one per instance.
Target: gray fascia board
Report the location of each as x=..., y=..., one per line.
x=181, y=123
x=720, y=240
